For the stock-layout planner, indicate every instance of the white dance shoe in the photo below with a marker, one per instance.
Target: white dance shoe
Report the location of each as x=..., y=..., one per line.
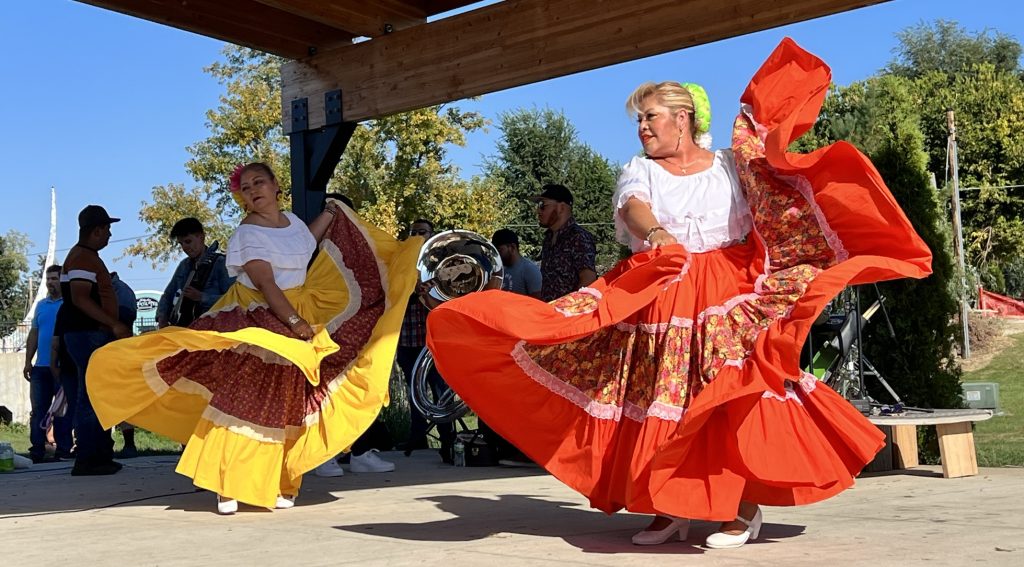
x=678, y=526
x=722, y=540
x=226, y=507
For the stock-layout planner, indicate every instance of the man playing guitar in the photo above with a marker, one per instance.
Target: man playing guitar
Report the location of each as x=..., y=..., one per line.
x=199, y=280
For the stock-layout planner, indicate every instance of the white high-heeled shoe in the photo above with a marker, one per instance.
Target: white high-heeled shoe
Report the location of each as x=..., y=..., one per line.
x=284, y=502
x=226, y=507
x=679, y=526
x=722, y=540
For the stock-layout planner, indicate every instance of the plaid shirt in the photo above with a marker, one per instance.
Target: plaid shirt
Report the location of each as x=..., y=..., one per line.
x=562, y=259
x=414, y=326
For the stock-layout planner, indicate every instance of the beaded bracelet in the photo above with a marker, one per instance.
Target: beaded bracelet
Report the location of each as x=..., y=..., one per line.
x=652, y=231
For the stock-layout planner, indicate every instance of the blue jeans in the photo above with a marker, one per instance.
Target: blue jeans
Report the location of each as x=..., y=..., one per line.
x=95, y=445
x=42, y=387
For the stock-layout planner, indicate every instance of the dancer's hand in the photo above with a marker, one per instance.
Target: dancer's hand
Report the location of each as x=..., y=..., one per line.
x=303, y=329
x=662, y=237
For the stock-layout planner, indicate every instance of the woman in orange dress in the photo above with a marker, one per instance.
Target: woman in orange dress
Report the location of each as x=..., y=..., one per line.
x=672, y=386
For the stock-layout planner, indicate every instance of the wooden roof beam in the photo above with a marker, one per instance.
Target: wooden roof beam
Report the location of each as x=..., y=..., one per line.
x=242, y=22
x=514, y=43
x=358, y=17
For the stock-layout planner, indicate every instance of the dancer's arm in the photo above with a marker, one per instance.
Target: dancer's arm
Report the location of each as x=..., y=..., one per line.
x=262, y=276
x=640, y=221
x=323, y=221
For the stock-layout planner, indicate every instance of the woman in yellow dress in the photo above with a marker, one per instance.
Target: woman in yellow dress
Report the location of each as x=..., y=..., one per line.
x=287, y=369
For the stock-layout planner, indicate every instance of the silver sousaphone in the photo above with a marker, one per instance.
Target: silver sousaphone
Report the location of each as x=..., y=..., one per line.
x=454, y=263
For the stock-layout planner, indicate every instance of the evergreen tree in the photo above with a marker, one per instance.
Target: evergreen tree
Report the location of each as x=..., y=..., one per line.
x=538, y=147
x=919, y=361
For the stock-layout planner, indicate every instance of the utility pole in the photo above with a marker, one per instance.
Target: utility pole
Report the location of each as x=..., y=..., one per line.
x=31, y=294
x=958, y=233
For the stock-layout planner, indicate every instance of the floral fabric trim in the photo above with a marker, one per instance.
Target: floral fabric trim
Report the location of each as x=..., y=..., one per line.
x=655, y=369
x=788, y=220
x=578, y=303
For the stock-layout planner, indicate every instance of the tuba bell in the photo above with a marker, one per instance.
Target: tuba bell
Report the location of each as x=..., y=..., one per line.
x=453, y=263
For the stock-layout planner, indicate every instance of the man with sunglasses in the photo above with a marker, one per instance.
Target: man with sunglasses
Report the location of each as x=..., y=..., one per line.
x=568, y=253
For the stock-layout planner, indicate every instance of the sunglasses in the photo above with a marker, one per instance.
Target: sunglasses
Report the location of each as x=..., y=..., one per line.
x=418, y=232
x=542, y=204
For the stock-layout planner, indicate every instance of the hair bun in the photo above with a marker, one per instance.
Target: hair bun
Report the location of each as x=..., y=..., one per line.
x=701, y=107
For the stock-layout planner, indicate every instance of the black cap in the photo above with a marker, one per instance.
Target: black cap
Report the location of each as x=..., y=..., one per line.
x=505, y=236
x=555, y=192
x=94, y=215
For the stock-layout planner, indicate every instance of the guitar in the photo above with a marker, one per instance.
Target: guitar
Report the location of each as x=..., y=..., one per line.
x=186, y=310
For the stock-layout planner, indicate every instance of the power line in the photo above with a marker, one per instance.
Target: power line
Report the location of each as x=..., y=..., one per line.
x=992, y=187
x=111, y=242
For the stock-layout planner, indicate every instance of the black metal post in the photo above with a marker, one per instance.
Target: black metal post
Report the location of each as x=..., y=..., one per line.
x=315, y=153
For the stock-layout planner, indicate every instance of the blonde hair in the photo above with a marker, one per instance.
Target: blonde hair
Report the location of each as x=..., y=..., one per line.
x=670, y=94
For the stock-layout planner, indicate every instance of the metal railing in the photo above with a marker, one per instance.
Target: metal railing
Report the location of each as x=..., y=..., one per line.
x=13, y=335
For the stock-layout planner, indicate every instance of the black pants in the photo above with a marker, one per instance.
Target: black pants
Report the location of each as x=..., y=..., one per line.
x=406, y=357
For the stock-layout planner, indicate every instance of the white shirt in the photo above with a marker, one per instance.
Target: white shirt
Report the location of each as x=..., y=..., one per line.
x=704, y=211
x=287, y=249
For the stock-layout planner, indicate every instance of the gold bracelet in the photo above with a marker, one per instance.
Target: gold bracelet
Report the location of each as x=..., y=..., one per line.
x=652, y=231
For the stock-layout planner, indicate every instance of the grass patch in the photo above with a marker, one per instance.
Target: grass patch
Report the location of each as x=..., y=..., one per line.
x=17, y=435
x=1000, y=440
x=147, y=442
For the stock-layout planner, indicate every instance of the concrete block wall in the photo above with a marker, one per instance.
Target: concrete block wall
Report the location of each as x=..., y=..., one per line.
x=13, y=386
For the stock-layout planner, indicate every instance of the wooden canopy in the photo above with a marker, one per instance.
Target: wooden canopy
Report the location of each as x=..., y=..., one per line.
x=385, y=57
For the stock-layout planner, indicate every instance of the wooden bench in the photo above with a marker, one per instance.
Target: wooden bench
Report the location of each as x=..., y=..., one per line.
x=956, y=440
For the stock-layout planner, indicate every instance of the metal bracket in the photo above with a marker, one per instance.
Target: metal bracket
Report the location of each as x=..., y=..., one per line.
x=315, y=153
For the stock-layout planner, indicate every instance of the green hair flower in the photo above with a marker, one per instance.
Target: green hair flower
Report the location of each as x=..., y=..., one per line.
x=701, y=106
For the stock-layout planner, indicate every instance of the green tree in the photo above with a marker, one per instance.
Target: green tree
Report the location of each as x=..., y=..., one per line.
x=881, y=116
x=245, y=127
x=540, y=146
x=395, y=169
x=919, y=362
x=171, y=203
x=940, y=67
x=946, y=47
x=13, y=285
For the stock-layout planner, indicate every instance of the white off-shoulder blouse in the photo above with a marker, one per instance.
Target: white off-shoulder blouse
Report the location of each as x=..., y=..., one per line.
x=704, y=211
x=287, y=249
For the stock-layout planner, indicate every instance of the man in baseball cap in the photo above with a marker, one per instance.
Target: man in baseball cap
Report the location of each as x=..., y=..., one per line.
x=90, y=322
x=94, y=215
x=554, y=192
x=568, y=254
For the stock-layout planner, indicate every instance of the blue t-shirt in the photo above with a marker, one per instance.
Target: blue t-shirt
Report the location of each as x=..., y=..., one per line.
x=522, y=277
x=43, y=320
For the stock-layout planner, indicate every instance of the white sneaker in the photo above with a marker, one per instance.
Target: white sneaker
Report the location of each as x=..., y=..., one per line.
x=284, y=502
x=369, y=462
x=331, y=468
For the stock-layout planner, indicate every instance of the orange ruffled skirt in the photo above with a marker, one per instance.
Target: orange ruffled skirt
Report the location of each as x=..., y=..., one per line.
x=672, y=385
x=256, y=406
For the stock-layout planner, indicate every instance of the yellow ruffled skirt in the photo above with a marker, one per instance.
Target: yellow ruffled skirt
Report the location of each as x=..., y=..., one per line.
x=255, y=406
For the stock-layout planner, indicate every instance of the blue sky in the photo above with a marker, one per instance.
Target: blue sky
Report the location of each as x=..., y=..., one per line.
x=102, y=106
